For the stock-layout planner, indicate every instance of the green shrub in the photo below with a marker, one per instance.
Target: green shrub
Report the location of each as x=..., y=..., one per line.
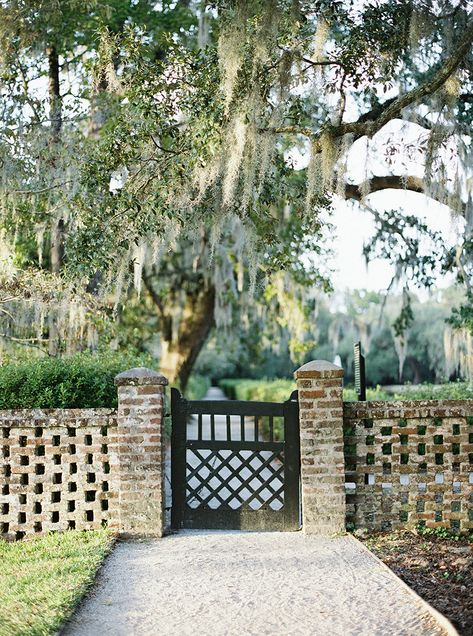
x=350, y=395
x=448, y=391
x=263, y=390
x=83, y=380
x=279, y=390
x=197, y=387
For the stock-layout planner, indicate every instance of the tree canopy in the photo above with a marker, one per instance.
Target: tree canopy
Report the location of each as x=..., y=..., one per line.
x=198, y=146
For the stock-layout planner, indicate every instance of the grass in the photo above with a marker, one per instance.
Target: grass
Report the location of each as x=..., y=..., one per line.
x=42, y=580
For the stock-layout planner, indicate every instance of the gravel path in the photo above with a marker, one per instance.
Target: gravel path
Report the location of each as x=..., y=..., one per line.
x=244, y=583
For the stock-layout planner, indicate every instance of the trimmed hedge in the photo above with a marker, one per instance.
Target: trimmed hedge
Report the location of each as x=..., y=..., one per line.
x=83, y=380
x=449, y=391
x=197, y=387
x=263, y=390
x=350, y=395
x=279, y=390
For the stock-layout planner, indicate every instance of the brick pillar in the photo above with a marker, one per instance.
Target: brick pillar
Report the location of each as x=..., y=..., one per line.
x=322, y=462
x=140, y=429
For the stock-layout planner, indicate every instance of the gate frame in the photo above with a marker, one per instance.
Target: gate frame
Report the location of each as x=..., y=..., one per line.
x=287, y=519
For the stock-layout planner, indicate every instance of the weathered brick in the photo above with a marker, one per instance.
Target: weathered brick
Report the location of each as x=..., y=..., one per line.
x=55, y=441
x=404, y=503
x=322, y=466
x=319, y=393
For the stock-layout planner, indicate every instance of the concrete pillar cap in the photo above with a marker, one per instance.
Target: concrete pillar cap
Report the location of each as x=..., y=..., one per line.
x=140, y=376
x=318, y=369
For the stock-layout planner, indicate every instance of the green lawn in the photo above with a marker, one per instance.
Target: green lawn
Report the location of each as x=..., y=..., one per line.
x=42, y=580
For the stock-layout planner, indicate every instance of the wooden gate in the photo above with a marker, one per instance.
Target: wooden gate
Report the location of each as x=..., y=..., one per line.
x=235, y=465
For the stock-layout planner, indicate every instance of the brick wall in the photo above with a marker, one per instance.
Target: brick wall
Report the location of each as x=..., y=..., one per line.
x=382, y=465
x=409, y=462
x=83, y=468
x=58, y=470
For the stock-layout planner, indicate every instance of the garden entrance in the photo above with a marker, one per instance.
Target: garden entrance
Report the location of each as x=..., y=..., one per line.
x=235, y=465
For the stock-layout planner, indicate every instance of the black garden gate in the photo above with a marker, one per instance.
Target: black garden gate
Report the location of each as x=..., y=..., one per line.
x=235, y=465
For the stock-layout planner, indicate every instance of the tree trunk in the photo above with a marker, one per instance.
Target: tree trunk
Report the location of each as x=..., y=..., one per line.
x=55, y=106
x=179, y=354
x=57, y=231
x=414, y=364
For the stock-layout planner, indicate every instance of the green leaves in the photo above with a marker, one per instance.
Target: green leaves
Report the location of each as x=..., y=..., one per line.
x=79, y=381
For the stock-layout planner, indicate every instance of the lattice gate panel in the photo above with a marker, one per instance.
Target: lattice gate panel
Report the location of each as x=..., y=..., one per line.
x=235, y=479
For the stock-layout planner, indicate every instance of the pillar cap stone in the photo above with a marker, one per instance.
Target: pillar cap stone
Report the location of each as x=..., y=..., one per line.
x=319, y=369
x=139, y=376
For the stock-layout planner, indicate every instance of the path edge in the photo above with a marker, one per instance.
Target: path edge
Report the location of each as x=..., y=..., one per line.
x=89, y=590
x=442, y=620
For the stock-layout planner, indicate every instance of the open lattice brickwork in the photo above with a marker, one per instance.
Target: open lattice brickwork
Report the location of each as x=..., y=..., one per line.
x=409, y=463
x=58, y=470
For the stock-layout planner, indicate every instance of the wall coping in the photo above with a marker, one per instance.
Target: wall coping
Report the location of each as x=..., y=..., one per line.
x=318, y=369
x=32, y=418
x=140, y=376
x=388, y=409
x=76, y=412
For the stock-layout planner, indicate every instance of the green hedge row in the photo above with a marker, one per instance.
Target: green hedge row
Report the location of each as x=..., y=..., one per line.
x=279, y=390
x=83, y=380
x=350, y=395
x=449, y=391
x=197, y=387
x=263, y=390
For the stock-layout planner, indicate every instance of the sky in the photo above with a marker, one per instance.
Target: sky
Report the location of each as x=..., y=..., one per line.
x=353, y=227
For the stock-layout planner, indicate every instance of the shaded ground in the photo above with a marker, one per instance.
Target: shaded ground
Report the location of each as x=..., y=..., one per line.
x=234, y=583
x=438, y=569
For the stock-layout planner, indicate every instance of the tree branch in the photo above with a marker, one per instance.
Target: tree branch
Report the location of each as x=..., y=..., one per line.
x=26, y=342
x=428, y=87
x=394, y=182
x=41, y=190
x=371, y=122
x=152, y=292
x=390, y=182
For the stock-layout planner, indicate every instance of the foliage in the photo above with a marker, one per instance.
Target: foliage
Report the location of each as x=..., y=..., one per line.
x=336, y=322
x=368, y=317
x=279, y=390
x=278, y=76
x=250, y=97
x=439, y=533
x=44, y=579
x=450, y=391
x=150, y=149
x=197, y=387
x=83, y=380
x=263, y=390
x=350, y=395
